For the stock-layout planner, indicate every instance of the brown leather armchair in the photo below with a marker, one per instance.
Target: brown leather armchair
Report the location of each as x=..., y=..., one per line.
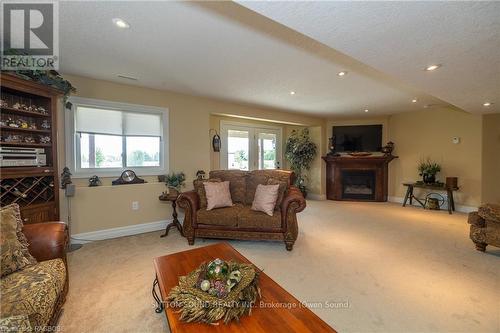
x=49, y=240
x=239, y=221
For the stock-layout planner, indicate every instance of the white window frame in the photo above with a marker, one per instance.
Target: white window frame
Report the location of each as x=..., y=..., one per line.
x=252, y=129
x=72, y=151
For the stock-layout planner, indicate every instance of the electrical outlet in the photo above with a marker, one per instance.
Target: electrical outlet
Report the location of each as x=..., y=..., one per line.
x=135, y=205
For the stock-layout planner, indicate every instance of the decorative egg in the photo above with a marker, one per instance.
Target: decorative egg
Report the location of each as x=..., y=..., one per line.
x=205, y=285
x=217, y=270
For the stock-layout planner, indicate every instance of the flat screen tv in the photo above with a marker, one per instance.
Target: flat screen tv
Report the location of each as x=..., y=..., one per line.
x=357, y=138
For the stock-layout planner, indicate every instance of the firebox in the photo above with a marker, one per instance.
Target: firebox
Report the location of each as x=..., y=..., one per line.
x=358, y=184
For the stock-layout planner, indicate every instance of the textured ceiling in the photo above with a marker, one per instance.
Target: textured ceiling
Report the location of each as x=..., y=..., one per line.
x=226, y=51
x=402, y=38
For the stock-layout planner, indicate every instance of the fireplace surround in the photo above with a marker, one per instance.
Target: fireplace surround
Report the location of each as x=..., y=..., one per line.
x=356, y=178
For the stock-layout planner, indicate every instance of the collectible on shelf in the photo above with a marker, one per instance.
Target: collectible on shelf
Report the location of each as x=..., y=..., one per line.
x=65, y=178
x=94, y=181
x=12, y=123
x=32, y=126
x=41, y=110
x=3, y=122
x=29, y=139
x=17, y=106
x=3, y=104
x=46, y=124
x=13, y=138
x=23, y=123
x=44, y=139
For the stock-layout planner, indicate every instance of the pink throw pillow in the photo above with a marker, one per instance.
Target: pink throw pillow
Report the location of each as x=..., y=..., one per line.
x=265, y=198
x=218, y=195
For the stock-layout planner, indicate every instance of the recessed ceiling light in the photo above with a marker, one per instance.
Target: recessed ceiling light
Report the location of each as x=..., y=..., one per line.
x=432, y=67
x=292, y=92
x=343, y=73
x=366, y=110
x=128, y=77
x=121, y=23
x=414, y=100
x=487, y=104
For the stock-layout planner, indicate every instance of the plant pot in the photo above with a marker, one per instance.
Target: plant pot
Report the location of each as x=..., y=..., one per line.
x=429, y=179
x=173, y=192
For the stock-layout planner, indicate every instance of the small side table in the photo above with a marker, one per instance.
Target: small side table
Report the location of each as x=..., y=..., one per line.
x=175, y=222
x=437, y=187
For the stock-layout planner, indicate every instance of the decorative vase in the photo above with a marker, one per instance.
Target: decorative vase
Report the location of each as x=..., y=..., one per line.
x=429, y=178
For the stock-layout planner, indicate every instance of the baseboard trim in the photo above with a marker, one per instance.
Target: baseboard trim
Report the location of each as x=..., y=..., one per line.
x=87, y=237
x=314, y=196
x=458, y=208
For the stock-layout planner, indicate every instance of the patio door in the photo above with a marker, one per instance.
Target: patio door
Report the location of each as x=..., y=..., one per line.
x=247, y=147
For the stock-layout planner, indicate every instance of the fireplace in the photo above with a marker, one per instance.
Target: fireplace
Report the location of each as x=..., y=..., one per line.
x=358, y=184
x=357, y=178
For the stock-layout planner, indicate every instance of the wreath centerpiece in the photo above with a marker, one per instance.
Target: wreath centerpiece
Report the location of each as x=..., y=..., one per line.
x=216, y=291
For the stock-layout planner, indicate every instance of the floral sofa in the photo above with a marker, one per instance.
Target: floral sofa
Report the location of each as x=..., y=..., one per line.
x=32, y=297
x=485, y=226
x=239, y=221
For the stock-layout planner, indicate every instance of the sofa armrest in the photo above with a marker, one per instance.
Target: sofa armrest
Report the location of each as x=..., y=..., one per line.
x=294, y=199
x=190, y=202
x=47, y=240
x=292, y=204
x=490, y=212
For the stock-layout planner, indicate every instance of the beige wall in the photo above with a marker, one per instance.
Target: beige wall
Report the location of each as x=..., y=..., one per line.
x=491, y=159
x=429, y=133
x=109, y=206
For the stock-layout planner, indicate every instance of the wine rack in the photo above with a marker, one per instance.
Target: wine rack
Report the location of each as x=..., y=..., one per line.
x=28, y=119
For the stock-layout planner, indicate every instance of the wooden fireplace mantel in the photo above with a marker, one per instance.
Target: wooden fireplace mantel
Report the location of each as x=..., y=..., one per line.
x=336, y=164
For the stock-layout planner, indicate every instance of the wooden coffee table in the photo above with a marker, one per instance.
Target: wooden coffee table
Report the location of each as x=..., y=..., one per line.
x=286, y=315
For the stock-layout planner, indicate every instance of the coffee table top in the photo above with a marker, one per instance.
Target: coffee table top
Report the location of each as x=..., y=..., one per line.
x=283, y=312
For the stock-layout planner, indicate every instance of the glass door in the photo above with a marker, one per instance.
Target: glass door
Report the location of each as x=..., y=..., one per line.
x=268, y=150
x=247, y=147
x=238, y=149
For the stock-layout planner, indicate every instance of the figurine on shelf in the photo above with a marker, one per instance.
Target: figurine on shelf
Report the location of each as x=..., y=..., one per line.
x=46, y=124
x=3, y=103
x=42, y=110
x=29, y=139
x=94, y=181
x=31, y=108
x=32, y=126
x=12, y=123
x=3, y=122
x=13, y=138
x=17, y=106
x=200, y=174
x=65, y=178
x=44, y=139
x=23, y=123
x=388, y=148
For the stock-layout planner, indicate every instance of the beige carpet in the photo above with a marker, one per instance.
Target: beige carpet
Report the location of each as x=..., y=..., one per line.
x=400, y=270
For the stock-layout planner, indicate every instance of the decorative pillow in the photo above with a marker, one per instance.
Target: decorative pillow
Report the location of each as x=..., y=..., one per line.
x=13, y=244
x=283, y=186
x=218, y=195
x=200, y=189
x=265, y=198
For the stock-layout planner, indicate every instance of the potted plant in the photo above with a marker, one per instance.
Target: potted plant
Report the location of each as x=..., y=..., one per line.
x=300, y=151
x=174, y=182
x=428, y=170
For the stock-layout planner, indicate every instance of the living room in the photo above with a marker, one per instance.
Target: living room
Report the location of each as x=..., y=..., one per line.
x=156, y=106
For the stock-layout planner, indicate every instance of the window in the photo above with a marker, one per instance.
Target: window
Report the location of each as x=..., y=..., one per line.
x=248, y=147
x=106, y=138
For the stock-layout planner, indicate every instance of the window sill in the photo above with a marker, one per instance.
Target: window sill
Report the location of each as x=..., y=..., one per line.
x=117, y=173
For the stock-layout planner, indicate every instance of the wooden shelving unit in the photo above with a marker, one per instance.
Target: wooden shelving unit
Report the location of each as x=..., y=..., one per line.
x=35, y=189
